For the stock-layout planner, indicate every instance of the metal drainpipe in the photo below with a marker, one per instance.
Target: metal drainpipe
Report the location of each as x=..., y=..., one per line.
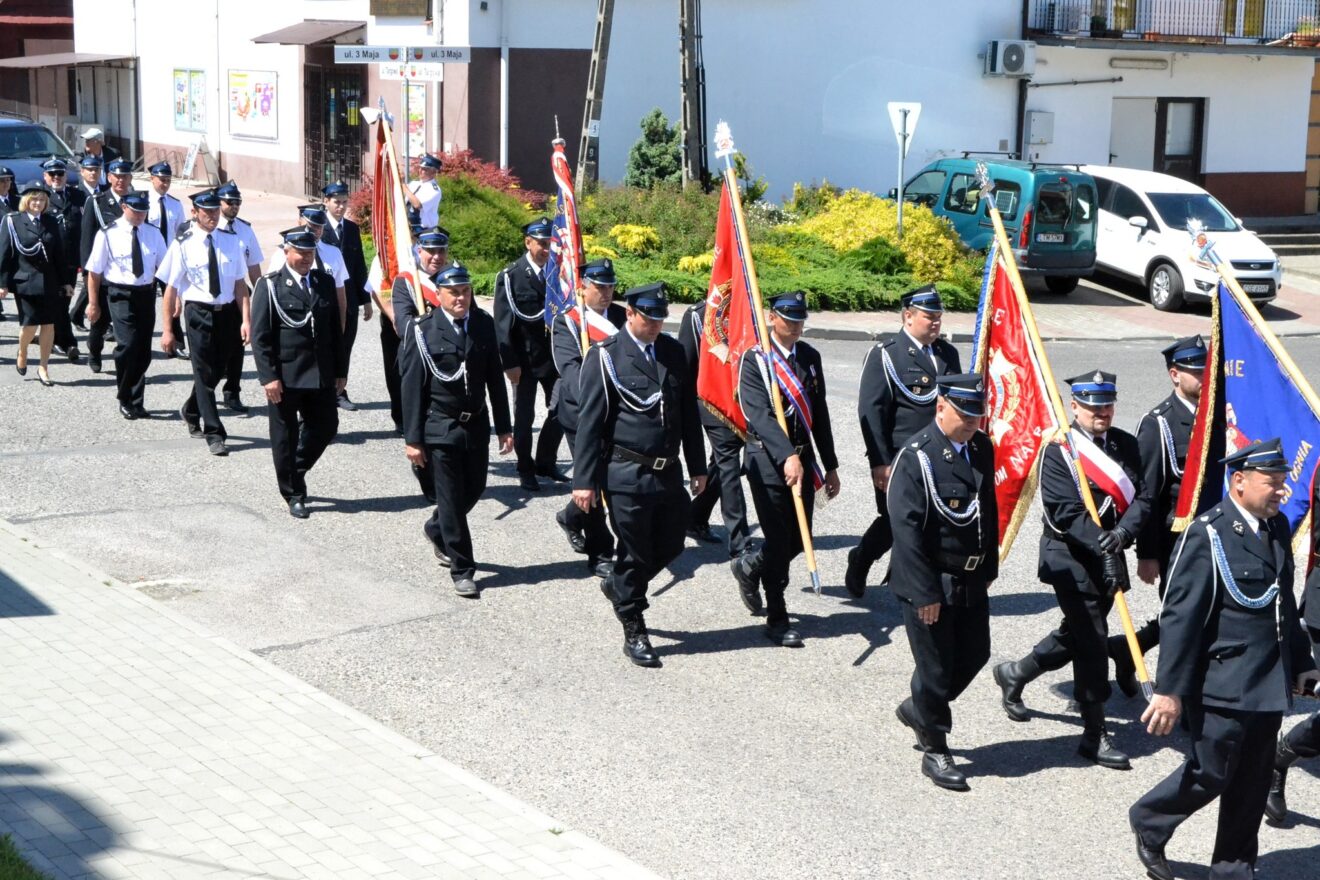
x=504, y=83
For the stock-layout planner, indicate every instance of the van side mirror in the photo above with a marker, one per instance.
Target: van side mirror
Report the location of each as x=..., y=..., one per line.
x=1139, y=222
x=893, y=192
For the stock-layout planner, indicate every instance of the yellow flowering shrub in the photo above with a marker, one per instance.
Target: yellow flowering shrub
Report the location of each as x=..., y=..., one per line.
x=639, y=240
x=698, y=263
x=594, y=249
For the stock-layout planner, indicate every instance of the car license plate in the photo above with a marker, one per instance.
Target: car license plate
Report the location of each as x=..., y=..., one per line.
x=1051, y=237
x=1256, y=288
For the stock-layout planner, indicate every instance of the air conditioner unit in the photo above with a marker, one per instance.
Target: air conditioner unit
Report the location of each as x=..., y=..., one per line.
x=1010, y=58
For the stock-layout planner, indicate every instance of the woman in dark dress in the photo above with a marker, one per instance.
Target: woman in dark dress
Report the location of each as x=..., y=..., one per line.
x=33, y=269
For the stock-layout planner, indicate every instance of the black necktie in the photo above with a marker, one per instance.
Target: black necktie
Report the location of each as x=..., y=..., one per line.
x=212, y=268
x=319, y=265
x=164, y=220
x=137, y=256
x=967, y=456
x=307, y=290
x=650, y=353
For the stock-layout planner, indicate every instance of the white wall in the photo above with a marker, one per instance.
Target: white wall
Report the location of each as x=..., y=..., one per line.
x=1256, y=115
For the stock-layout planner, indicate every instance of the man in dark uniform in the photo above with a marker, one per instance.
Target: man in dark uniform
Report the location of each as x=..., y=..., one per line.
x=90, y=185
x=450, y=363
x=1163, y=435
x=99, y=213
x=344, y=234
x=586, y=530
x=66, y=204
x=635, y=413
x=8, y=202
x=897, y=399
x=724, y=469
x=299, y=352
x=1232, y=653
x=432, y=255
x=781, y=464
x=1084, y=561
x=121, y=271
x=1303, y=741
x=945, y=521
x=525, y=353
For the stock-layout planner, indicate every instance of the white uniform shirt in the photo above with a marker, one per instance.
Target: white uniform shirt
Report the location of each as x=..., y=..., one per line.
x=428, y=191
x=175, y=219
x=185, y=266
x=328, y=260
x=375, y=276
x=112, y=254
x=247, y=238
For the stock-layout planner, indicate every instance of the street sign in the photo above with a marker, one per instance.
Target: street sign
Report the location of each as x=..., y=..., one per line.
x=368, y=54
x=904, y=116
x=417, y=72
x=441, y=54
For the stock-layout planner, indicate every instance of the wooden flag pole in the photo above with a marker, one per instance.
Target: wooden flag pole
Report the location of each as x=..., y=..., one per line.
x=723, y=140
x=1061, y=414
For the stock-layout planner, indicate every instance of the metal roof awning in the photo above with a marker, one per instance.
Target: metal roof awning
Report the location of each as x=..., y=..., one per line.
x=61, y=59
x=305, y=33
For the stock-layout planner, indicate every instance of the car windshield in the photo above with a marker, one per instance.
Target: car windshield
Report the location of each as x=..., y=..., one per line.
x=30, y=142
x=1176, y=209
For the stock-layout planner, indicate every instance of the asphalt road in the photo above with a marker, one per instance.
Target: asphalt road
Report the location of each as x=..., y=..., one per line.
x=736, y=760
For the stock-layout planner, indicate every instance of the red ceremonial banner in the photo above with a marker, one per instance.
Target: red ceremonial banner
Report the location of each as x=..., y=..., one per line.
x=389, y=219
x=728, y=329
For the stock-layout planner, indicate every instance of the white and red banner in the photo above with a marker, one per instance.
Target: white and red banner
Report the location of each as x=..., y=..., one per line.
x=1102, y=470
x=598, y=326
x=389, y=221
x=729, y=327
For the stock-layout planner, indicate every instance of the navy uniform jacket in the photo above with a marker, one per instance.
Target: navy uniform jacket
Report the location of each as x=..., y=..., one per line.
x=9, y=201
x=38, y=274
x=606, y=420
x=404, y=303
x=433, y=410
x=1168, y=424
x=689, y=334
x=1070, y=555
x=99, y=213
x=932, y=548
x=1215, y=651
x=524, y=343
x=889, y=416
x=350, y=245
x=566, y=347
x=311, y=356
x=768, y=446
x=66, y=205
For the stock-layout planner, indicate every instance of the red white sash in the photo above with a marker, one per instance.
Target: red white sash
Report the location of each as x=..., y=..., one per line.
x=1102, y=470
x=599, y=327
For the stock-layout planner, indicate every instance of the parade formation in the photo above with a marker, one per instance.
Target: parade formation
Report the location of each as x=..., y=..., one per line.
x=662, y=429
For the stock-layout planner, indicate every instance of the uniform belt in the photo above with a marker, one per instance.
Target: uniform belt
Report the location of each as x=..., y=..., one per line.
x=757, y=444
x=954, y=562
x=464, y=416
x=210, y=307
x=132, y=288
x=656, y=464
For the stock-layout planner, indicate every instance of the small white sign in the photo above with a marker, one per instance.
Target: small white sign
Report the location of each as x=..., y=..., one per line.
x=904, y=128
x=593, y=128
x=426, y=71
x=441, y=54
x=369, y=54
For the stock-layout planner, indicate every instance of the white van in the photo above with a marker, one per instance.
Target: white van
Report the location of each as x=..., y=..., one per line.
x=1143, y=235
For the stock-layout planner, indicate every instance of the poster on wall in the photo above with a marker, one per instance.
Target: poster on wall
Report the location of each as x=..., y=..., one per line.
x=414, y=99
x=190, y=100
x=253, y=104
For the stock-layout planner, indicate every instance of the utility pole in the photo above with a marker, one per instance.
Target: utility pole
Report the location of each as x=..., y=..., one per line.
x=692, y=119
x=588, y=160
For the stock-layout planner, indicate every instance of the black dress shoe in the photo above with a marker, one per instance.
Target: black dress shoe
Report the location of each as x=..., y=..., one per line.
x=1099, y=748
x=553, y=474
x=140, y=412
x=1011, y=684
x=854, y=579
x=128, y=412
x=602, y=569
x=181, y=352
x=1152, y=859
x=344, y=403
x=73, y=354
x=637, y=645
x=233, y=404
x=94, y=364
x=748, y=589
x=298, y=509
x=1125, y=672
x=940, y=769
x=704, y=534
x=528, y=482
x=467, y=588
x=22, y=371
x=435, y=548
x=216, y=446
x=783, y=635
x=576, y=539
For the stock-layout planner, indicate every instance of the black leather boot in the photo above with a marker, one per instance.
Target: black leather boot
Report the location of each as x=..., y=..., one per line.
x=854, y=576
x=1125, y=671
x=1096, y=744
x=1276, y=805
x=636, y=644
x=1012, y=677
x=747, y=573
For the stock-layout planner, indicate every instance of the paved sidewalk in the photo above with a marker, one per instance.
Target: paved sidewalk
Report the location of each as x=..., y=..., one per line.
x=135, y=744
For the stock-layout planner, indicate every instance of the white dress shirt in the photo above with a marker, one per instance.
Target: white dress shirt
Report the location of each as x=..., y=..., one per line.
x=428, y=192
x=329, y=259
x=175, y=219
x=185, y=266
x=112, y=254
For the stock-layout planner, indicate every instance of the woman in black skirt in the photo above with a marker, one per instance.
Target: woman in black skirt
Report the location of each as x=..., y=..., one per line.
x=33, y=269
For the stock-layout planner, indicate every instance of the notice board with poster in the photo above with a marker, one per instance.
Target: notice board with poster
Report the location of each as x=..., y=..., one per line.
x=254, y=104
x=189, y=100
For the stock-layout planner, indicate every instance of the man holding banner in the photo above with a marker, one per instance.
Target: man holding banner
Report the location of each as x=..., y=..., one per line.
x=1083, y=560
x=781, y=461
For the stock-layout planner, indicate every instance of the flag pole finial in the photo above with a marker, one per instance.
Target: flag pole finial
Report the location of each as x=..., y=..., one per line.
x=558, y=140
x=724, y=148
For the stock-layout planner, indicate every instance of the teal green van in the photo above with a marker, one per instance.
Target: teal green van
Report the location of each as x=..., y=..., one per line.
x=1049, y=211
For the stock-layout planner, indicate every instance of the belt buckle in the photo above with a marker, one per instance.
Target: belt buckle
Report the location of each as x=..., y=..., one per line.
x=659, y=464
x=463, y=417
x=973, y=562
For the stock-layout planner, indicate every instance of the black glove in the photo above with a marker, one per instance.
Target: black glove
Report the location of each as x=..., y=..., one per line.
x=1116, y=573
x=1114, y=540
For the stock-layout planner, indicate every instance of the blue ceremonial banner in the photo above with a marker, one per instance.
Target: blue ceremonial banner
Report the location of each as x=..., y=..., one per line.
x=1263, y=397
